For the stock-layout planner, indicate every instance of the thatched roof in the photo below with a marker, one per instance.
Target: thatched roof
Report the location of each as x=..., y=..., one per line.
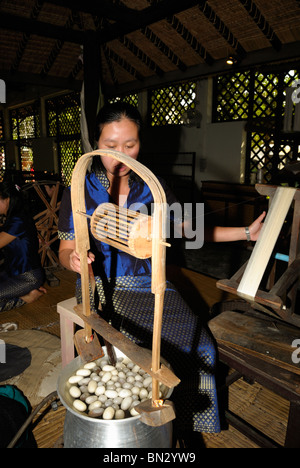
x=142, y=43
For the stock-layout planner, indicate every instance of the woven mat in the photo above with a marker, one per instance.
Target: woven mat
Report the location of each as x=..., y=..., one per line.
x=260, y=407
x=40, y=378
x=48, y=427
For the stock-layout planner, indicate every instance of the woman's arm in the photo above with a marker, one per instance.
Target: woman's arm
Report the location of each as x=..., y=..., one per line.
x=231, y=234
x=224, y=234
x=68, y=256
x=5, y=239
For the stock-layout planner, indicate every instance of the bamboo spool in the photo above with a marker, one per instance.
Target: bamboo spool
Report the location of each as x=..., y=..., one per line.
x=126, y=230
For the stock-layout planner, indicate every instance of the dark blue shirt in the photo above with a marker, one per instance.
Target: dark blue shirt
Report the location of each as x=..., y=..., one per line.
x=21, y=255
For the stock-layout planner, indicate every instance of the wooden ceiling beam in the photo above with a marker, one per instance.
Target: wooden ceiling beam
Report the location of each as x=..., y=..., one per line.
x=110, y=67
x=40, y=28
x=162, y=47
x=139, y=19
x=190, y=39
x=265, y=58
x=262, y=23
x=122, y=14
x=259, y=60
x=122, y=63
x=131, y=46
x=103, y=8
x=48, y=81
x=76, y=69
x=26, y=36
x=146, y=17
x=221, y=27
x=56, y=48
x=142, y=56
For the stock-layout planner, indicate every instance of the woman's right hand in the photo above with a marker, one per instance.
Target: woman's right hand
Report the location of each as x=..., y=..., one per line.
x=69, y=258
x=74, y=260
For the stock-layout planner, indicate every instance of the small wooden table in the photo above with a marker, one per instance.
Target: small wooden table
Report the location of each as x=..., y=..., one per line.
x=240, y=347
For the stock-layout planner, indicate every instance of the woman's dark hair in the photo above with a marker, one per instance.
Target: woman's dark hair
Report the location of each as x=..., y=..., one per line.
x=114, y=113
x=14, y=193
x=110, y=113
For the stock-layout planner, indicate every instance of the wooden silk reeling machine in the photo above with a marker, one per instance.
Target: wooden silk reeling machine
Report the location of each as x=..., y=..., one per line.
x=141, y=236
x=280, y=298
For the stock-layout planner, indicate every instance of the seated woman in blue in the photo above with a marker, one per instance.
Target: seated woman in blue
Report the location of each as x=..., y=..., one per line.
x=124, y=282
x=22, y=277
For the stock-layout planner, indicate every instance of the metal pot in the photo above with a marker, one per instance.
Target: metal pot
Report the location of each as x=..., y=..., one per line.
x=81, y=431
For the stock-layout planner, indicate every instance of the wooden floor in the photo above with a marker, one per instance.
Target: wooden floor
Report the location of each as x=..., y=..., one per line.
x=258, y=406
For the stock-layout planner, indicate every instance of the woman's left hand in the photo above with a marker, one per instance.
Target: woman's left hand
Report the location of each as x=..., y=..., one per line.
x=256, y=227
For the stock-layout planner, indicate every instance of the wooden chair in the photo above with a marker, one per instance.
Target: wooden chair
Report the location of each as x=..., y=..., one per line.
x=259, y=343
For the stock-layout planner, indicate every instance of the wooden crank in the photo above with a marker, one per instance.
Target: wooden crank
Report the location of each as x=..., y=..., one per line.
x=86, y=342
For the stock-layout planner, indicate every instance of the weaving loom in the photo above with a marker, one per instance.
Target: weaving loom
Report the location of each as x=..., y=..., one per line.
x=280, y=299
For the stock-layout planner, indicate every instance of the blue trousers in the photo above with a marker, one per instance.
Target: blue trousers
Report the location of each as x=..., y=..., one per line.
x=14, y=287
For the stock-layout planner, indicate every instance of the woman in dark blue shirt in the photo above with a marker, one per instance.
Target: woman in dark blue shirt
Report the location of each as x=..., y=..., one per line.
x=22, y=278
x=124, y=282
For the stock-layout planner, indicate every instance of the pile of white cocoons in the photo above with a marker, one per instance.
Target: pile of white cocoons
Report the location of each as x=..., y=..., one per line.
x=103, y=391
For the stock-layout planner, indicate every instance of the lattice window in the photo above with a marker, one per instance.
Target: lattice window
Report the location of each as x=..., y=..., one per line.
x=25, y=127
x=130, y=99
x=286, y=153
x=264, y=154
x=70, y=151
x=231, y=96
x=265, y=96
x=2, y=147
x=259, y=98
x=63, y=122
x=168, y=105
x=63, y=115
x=272, y=149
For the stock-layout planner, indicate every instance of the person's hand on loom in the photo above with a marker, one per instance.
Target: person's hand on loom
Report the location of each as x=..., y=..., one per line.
x=69, y=258
x=75, y=260
x=256, y=227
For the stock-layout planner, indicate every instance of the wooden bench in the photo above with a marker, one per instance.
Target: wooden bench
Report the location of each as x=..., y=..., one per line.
x=260, y=349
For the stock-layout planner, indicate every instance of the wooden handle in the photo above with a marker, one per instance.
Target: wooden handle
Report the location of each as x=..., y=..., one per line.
x=156, y=342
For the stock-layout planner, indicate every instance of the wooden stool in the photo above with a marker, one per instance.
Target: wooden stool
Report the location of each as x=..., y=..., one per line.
x=260, y=349
x=68, y=318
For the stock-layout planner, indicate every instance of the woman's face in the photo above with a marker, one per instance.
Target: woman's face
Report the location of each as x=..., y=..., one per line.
x=120, y=136
x=4, y=204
